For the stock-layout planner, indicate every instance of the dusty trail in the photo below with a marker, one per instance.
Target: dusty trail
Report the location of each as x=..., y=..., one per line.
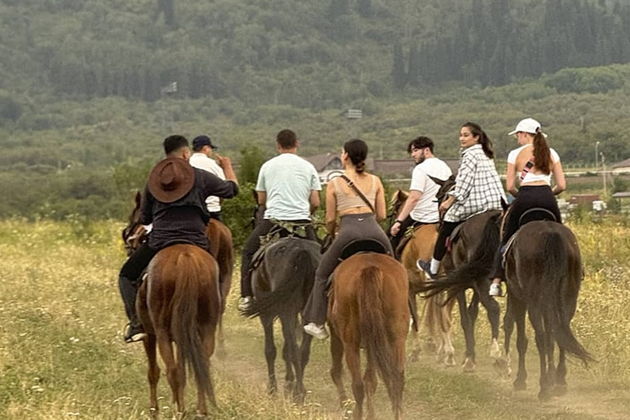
x=431, y=392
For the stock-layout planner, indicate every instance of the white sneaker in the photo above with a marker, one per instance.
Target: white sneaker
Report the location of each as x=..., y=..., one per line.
x=316, y=331
x=495, y=290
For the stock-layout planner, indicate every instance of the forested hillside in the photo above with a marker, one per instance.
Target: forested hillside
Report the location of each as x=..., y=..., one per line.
x=87, y=94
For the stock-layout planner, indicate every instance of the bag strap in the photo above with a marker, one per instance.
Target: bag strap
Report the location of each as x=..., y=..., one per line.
x=359, y=193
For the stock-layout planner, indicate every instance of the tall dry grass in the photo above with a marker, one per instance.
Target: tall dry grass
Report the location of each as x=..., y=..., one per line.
x=61, y=355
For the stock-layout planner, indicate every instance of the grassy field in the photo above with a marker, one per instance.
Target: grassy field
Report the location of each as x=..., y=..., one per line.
x=61, y=355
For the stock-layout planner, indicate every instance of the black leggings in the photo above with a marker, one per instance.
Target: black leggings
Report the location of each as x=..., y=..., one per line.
x=446, y=228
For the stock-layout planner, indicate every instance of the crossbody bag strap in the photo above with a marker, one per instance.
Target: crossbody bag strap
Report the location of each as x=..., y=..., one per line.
x=359, y=193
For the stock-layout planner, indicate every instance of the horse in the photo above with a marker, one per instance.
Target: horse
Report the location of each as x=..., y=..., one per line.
x=180, y=303
x=436, y=317
x=368, y=309
x=543, y=273
x=469, y=265
x=282, y=283
x=220, y=240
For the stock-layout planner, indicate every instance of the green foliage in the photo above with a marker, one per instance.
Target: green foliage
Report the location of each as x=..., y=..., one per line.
x=251, y=160
x=596, y=80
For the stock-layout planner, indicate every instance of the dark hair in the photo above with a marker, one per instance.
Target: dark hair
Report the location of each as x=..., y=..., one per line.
x=484, y=140
x=174, y=142
x=542, y=154
x=420, y=143
x=286, y=139
x=357, y=151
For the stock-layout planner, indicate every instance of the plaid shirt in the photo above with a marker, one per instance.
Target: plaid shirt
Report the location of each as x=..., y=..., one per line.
x=478, y=187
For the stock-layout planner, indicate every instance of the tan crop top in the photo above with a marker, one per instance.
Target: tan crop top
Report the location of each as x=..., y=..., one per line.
x=347, y=198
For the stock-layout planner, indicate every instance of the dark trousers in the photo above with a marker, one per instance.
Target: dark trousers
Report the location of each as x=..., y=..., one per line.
x=528, y=197
x=446, y=228
x=129, y=278
x=251, y=246
x=351, y=228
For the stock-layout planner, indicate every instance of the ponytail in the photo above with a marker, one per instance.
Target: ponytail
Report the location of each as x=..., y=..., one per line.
x=484, y=140
x=357, y=152
x=542, y=154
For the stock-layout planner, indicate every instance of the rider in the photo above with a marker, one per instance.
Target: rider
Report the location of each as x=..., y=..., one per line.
x=202, y=158
x=477, y=189
x=288, y=187
x=534, y=162
x=174, y=201
x=359, y=220
x=421, y=207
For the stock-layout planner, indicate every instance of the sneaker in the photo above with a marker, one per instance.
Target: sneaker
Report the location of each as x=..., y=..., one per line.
x=425, y=267
x=134, y=333
x=245, y=304
x=317, y=331
x=495, y=290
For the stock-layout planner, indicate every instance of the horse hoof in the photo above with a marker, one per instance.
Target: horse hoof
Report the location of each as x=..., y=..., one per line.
x=520, y=385
x=502, y=367
x=544, y=395
x=468, y=366
x=449, y=361
x=559, y=390
x=414, y=356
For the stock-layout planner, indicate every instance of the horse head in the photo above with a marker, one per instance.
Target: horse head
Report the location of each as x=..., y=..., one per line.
x=134, y=234
x=396, y=204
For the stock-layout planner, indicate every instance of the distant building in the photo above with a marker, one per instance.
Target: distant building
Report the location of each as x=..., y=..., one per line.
x=621, y=167
x=328, y=165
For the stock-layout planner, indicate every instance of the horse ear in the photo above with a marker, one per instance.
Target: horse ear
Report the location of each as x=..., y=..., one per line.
x=504, y=204
x=138, y=198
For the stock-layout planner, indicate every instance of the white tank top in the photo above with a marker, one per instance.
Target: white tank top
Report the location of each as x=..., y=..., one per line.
x=530, y=176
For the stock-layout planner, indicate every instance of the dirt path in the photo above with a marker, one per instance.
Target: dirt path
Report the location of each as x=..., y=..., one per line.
x=431, y=391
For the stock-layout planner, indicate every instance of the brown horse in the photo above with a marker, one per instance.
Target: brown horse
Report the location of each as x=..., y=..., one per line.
x=436, y=315
x=180, y=303
x=220, y=239
x=368, y=308
x=543, y=272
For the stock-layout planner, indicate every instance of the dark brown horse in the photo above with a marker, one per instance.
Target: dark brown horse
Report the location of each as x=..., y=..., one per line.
x=368, y=309
x=282, y=283
x=543, y=272
x=220, y=239
x=469, y=265
x=180, y=304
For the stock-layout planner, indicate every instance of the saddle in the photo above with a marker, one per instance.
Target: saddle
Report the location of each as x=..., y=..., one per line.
x=281, y=229
x=530, y=215
x=362, y=245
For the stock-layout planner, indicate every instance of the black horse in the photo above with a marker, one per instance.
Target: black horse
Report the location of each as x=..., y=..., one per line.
x=282, y=283
x=543, y=272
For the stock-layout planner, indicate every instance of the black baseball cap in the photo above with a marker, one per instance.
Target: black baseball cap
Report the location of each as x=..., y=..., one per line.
x=200, y=141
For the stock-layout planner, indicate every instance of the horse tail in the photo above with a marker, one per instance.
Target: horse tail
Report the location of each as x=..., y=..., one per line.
x=478, y=267
x=303, y=272
x=561, y=282
x=194, y=312
x=376, y=335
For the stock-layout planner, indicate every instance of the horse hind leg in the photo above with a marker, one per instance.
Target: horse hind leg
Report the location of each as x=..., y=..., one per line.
x=469, y=334
x=172, y=369
x=353, y=359
x=561, y=374
x=494, y=317
x=290, y=352
x=336, y=370
x=208, y=348
x=536, y=318
x=369, y=381
x=518, y=308
x=270, y=353
x=153, y=372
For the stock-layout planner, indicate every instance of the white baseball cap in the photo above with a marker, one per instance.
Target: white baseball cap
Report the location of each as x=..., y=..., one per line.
x=528, y=125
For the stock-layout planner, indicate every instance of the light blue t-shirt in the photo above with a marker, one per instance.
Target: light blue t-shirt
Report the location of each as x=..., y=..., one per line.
x=288, y=181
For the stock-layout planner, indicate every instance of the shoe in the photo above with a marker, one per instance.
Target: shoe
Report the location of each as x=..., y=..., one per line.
x=134, y=333
x=245, y=304
x=425, y=267
x=495, y=290
x=316, y=331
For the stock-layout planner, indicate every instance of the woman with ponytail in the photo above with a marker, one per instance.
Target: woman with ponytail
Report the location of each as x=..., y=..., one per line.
x=477, y=189
x=358, y=219
x=531, y=166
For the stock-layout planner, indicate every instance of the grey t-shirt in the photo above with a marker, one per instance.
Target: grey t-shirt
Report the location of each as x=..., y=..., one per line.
x=288, y=181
